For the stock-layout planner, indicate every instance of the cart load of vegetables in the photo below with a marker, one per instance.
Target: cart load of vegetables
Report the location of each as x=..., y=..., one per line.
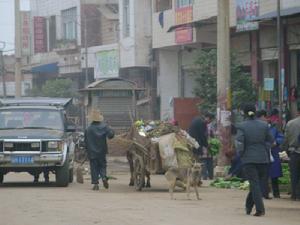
x=175, y=145
x=231, y=183
x=214, y=146
x=153, y=129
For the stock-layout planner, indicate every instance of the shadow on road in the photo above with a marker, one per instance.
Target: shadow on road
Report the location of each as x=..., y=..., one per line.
x=27, y=185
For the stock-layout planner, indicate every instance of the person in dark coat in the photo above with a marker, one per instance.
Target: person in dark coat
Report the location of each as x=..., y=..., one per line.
x=252, y=138
x=198, y=130
x=292, y=145
x=95, y=139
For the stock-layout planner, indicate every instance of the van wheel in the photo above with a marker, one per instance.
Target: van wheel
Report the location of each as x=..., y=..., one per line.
x=71, y=175
x=62, y=174
x=1, y=178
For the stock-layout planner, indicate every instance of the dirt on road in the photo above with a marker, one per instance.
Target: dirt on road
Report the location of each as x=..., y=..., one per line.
x=25, y=203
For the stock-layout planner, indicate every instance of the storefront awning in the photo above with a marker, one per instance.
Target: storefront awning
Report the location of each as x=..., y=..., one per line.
x=209, y=21
x=51, y=68
x=273, y=14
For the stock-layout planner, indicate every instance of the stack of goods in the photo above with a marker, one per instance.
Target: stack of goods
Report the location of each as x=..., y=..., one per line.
x=214, y=146
x=155, y=129
x=231, y=183
x=175, y=146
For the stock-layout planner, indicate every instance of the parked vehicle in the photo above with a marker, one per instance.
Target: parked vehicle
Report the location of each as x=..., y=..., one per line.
x=35, y=137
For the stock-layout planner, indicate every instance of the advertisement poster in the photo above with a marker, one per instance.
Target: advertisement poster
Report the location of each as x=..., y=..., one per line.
x=40, y=34
x=269, y=84
x=184, y=15
x=107, y=64
x=25, y=26
x=246, y=10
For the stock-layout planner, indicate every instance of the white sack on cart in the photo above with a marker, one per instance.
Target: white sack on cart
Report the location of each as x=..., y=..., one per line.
x=167, y=152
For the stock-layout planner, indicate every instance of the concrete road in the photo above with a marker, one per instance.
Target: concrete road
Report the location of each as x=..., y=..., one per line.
x=25, y=203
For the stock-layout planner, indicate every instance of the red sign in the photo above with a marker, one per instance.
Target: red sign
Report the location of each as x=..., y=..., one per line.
x=184, y=35
x=40, y=34
x=25, y=18
x=184, y=15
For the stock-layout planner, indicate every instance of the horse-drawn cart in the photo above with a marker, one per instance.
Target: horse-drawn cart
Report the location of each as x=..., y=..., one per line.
x=146, y=154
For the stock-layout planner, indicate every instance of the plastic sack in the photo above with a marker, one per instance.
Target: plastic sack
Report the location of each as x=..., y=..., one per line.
x=167, y=152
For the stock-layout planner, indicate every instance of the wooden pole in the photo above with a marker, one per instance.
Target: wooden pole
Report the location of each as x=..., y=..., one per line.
x=223, y=81
x=18, y=56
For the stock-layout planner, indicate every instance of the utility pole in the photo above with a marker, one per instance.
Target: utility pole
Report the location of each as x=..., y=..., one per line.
x=86, y=49
x=281, y=73
x=18, y=65
x=86, y=61
x=2, y=73
x=223, y=83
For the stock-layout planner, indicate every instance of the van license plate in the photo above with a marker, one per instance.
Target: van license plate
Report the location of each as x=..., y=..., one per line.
x=22, y=159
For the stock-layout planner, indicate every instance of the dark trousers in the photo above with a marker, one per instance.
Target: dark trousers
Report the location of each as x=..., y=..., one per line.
x=295, y=174
x=264, y=184
x=208, y=168
x=98, y=169
x=256, y=174
x=275, y=187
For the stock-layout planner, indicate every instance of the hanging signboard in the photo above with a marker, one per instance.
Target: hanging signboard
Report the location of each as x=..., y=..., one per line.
x=184, y=15
x=246, y=10
x=40, y=34
x=269, y=84
x=107, y=64
x=25, y=26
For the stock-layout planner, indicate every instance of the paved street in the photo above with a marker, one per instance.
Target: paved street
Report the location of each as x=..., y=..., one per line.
x=24, y=203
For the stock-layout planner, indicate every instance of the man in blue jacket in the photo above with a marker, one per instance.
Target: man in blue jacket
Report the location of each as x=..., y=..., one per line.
x=95, y=139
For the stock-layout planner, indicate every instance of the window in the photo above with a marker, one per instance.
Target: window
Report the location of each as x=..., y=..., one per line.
x=126, y=18
x=31, y=119
x=183, y=3
x=162, y=5
x=69, y=23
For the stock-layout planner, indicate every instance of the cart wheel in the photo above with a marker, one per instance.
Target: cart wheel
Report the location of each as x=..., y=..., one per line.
x=139, y=174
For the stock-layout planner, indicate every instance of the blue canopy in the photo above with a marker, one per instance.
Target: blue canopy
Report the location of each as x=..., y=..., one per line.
x=45, y=69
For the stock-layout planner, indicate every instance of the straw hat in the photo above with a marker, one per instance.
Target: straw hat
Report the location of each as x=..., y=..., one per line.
x=96, y=116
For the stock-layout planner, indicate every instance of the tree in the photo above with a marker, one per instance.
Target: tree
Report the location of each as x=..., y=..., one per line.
x=55, y=88
x=206, y=79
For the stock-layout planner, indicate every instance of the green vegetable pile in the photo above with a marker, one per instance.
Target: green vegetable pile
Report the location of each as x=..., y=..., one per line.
x=214, y=146
x=286, y=174
x=231, y=183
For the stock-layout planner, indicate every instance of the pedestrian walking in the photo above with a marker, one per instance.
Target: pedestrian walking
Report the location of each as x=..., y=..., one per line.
x=96, y=142
x=207, y=158
x=252, y=138
x=198, y=130
x=292, y=145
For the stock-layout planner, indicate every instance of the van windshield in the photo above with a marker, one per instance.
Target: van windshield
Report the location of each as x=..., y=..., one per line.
x=31, y=119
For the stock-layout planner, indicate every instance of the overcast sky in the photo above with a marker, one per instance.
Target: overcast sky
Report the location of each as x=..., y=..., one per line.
x=7, y=21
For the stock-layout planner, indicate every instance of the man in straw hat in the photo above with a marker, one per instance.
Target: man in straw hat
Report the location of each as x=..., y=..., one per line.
x=95, y=140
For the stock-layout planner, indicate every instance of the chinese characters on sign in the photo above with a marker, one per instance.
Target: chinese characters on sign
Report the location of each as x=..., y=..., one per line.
x=25, y=18
x=246, y=10
x=107, y=64
x=184, y=15
x=40, y=34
